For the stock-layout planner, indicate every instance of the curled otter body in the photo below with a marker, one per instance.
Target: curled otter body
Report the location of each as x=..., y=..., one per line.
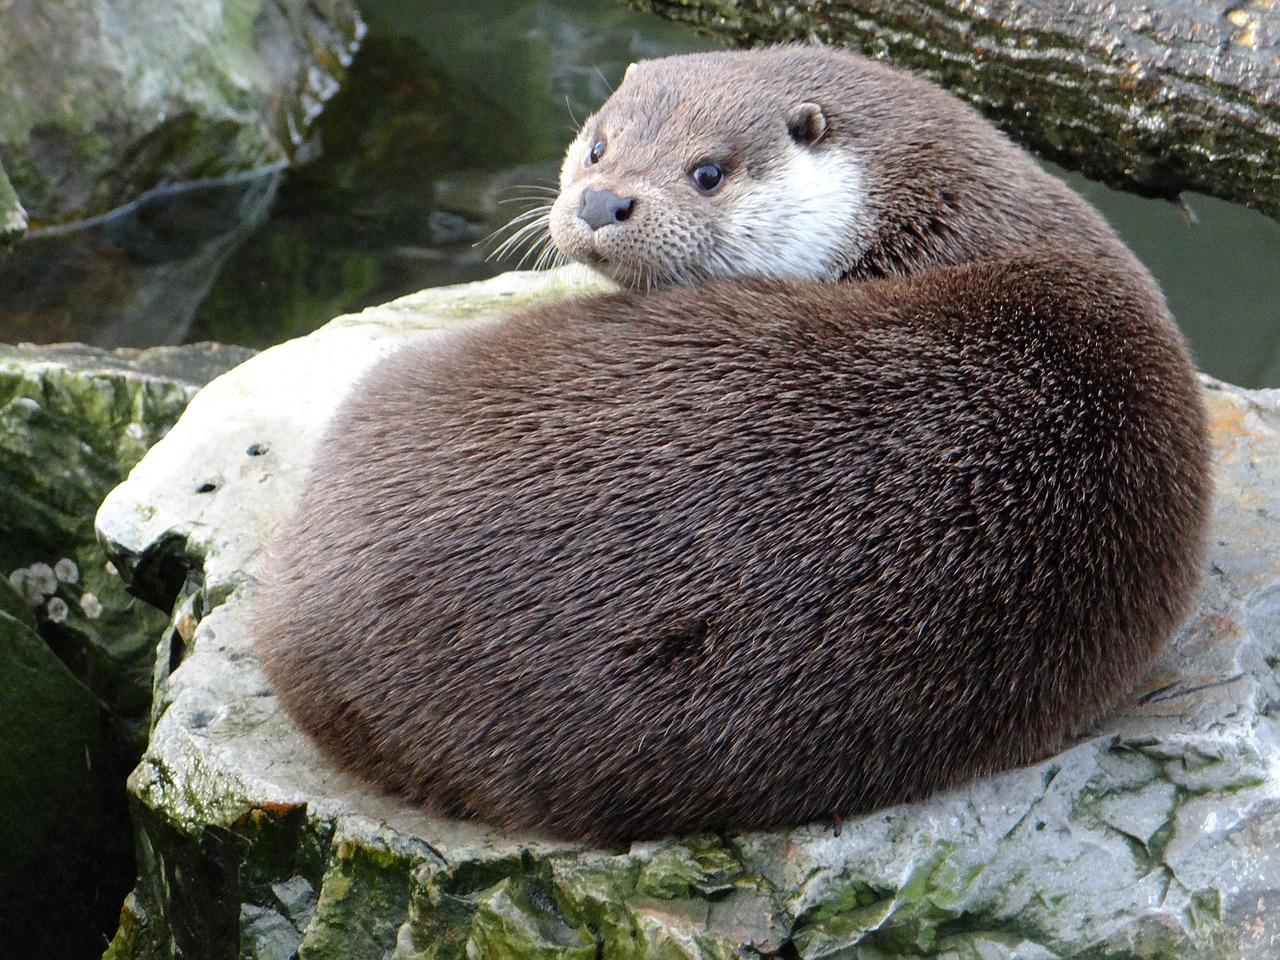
x=820, y=533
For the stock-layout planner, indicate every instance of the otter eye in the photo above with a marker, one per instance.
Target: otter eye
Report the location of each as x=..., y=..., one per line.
x=707, y=176
x=597, y=151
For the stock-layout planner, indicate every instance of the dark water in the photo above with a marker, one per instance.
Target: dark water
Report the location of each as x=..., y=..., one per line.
x=1220, y=274
x=450, y=114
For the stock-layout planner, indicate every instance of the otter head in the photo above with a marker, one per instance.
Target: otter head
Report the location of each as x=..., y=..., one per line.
x=797, y=162
x=699, y=168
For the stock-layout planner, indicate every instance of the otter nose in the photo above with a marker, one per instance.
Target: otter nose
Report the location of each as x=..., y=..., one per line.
x=603, y=207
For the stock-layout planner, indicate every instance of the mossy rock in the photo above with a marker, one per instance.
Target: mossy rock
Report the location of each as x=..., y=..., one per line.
x=13, y=219
x=104, y=101
x=76, y=649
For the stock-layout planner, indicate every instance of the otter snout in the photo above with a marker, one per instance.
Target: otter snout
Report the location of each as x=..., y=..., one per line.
x=599, y=208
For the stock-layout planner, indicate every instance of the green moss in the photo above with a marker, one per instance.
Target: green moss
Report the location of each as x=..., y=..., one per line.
x=573, y=905
x=508, y=906
x=72, y=425
x=266, y=862
x=522, y=917
x=922, y=917
x=696, y=867
x=363, y=900
x=842, y=919
x=70, y=437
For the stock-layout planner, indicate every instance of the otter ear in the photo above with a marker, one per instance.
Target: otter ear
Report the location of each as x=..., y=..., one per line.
x=806, y=124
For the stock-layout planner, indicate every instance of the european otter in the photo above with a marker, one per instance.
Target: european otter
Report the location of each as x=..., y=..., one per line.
x=764, y=549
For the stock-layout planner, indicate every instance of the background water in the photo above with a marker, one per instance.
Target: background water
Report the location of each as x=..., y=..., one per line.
x=450, y=110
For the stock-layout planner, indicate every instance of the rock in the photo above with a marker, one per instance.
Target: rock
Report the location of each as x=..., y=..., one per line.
x=52, y=790
x=13, y=219
x=145, y=141
x=73, y=423
x=105, y=101
x=1158, y=834
x=76, y=650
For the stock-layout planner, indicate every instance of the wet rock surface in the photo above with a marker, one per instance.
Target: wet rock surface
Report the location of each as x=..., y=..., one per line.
x=76, y=649
x=144, y=141
x=1155, y=835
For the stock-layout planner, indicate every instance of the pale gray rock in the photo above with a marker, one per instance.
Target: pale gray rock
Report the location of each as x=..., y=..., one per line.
x=1156, y=835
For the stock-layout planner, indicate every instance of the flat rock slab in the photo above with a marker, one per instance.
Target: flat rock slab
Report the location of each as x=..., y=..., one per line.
x=1158, y=835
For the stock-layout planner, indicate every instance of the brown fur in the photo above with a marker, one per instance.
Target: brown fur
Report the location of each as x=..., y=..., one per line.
x=754, y=553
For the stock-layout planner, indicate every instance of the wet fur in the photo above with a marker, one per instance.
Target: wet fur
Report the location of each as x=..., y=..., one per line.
x=755, y=553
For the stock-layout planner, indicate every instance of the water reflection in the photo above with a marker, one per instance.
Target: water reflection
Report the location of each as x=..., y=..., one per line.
x=133, y=277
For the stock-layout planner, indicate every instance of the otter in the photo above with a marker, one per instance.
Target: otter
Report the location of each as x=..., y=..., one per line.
x=887, y=469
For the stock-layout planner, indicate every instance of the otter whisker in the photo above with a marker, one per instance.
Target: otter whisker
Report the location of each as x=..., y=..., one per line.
x=533, y=213
x=568, y=106
x=531, y=230
x=538, y=247
x=534, y=252
x=519, y=245
x=541, y=191
x=522, y=225
x=549, y=257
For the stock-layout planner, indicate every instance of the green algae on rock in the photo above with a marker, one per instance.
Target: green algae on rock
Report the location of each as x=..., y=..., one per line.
x=77, y=647
x=73, y=423
x=1155, y=835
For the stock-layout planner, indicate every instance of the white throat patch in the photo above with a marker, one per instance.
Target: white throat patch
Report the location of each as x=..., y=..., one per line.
x=802, y=223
